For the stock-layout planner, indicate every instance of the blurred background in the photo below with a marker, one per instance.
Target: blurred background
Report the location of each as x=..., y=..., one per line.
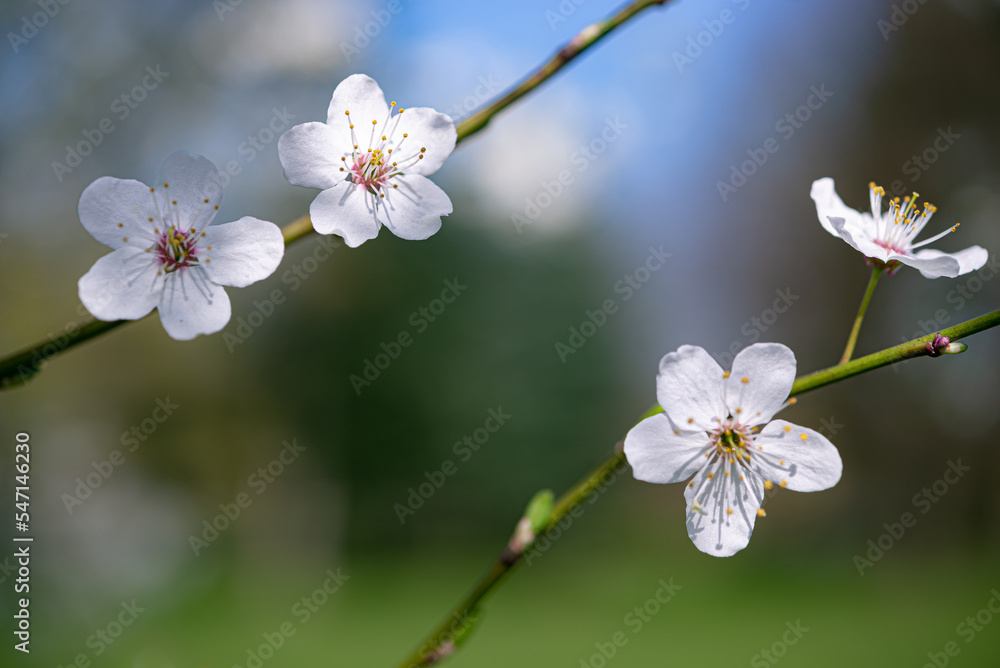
x=142, y=444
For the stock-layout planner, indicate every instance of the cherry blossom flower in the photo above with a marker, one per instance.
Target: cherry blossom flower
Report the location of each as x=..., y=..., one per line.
x=717, y=428
x=888, y=239
x=372, y=162
x=166, y=254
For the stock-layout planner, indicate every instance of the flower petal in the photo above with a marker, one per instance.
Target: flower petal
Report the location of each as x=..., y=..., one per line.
x=194, y=192
x=191, y=305
x=243, y=252
x=658, y=453
x=858, y=240
x=346, y=211
x=360, y=95
x=689, y=387
x=414, y=209
x=122, y=285
x=722, y=509
x=431, y=130
x=829, y=204
x=311, y=154
x=113, y=209
x=796, y=457
x=934, y=263
x=768, y=370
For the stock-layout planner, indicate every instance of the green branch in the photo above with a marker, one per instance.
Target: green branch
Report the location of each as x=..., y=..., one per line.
x=19, y=367
x=446, y=638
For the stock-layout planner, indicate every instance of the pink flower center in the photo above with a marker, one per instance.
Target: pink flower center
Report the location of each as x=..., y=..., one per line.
x=176, y=249
x=371, y=170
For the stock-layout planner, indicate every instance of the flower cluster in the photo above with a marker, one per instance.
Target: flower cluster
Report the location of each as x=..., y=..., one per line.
x=168, y=256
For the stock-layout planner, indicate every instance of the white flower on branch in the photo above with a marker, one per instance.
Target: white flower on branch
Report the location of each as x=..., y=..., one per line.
x=372, y=162
x=717, y=428
x=888, y=239
x=166, y=253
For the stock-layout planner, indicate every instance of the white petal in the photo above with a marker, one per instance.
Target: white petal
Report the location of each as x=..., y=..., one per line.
x=782, y=456
x=108, y=203
x=195, y=186
x=934, y=263
x=426, y=129
x=311, y=155
x=722, y=510
x=243, y=252
x=769, y=369
x=414, y=209
x=122, y=285
x=657, y=454
x=191, y=305
x=858, y=240
x=931, y=263
x=360, y=95
x=345, y=211
x=829, y=204
x=689, y=387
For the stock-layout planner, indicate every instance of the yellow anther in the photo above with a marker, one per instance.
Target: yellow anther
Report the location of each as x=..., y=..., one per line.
x=761, y=513
x=804, y=436
x=709, y=475
x=768, y=484
x=347, y=113
x=781, y=462
x=725, y=374
x=744, y=380
x=729, y=511
x=788, y=428
x=690, y=420
x=793, y=401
